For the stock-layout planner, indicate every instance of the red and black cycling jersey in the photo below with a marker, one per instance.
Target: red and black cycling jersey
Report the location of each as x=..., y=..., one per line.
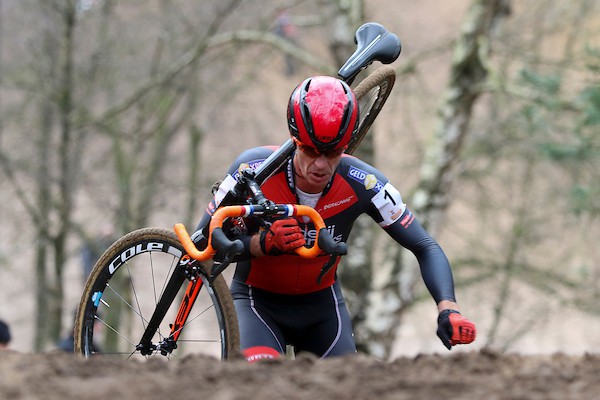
x=356, y=188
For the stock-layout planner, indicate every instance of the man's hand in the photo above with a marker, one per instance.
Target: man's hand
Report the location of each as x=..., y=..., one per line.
x=283, y=236
x=454, y=329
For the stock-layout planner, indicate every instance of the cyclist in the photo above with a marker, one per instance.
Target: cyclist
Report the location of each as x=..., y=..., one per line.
x=278, y=297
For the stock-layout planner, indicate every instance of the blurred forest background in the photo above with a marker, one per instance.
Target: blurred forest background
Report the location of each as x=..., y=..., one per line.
x=116, y=115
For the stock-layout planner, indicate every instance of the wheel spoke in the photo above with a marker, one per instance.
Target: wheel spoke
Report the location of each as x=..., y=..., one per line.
x=123, y=292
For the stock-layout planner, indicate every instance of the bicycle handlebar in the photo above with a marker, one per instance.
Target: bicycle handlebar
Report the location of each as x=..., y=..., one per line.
x=218, y=241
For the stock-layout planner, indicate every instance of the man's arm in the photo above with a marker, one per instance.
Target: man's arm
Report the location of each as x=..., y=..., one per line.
x=255, y=249
x=435, y=268
x=453, y=328
x=447, y=305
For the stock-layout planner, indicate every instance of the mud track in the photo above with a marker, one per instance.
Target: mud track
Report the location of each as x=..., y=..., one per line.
x=477, y=375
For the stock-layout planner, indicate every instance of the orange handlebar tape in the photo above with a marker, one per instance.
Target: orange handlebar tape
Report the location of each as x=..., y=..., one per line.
x=315, y=250
x=240, y=211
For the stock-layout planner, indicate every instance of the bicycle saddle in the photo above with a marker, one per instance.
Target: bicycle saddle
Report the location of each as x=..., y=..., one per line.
x=374, y=42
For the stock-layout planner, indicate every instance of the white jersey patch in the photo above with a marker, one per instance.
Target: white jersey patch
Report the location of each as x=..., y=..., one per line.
x=225, y=186
x=389, y=203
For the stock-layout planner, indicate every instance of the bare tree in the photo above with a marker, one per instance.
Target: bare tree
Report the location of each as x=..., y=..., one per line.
x=431, y=199
x=523, y=170
x=116, y=112
x=550, y=125
x=141, y=127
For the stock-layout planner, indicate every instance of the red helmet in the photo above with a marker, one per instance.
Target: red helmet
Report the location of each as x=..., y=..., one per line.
x=323, y=113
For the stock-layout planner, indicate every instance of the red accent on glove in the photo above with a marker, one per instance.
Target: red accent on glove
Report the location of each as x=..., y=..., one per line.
x=284, y=236
x=455, y=329
x=463, y=330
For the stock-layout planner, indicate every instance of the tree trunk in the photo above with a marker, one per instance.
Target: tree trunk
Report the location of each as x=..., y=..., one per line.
x=42, y=225
x=67, y=179
x=433, y=194
x=355, y=269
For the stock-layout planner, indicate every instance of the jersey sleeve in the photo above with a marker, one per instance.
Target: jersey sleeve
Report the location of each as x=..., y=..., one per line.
x=385, y=205
x=388, y=204
x=434, y=265
x=378, y=197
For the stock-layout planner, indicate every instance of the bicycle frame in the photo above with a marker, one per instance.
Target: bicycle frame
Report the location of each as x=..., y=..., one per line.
x=219, y=243
x=374, y=43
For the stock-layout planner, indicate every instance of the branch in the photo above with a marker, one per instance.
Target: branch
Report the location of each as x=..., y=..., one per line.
x=249, y=36
x=224, y=39
x=183, y=62
x=21, y=193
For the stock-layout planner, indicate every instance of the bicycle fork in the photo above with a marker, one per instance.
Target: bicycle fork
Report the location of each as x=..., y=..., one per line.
x=186, y=269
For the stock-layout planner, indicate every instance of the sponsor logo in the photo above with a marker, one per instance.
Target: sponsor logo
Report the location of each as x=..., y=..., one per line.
x=357, y=174
x=406, y=221
x=139, y=249
x=395, y=215
x=368, y=180
x=252, y=165
x=338, y=203
x=311, y=234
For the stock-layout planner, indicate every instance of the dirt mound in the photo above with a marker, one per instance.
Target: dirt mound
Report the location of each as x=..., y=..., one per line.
x=481, y=375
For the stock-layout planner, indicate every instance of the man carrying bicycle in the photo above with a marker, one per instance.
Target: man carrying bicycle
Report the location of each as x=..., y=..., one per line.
x=281, y=298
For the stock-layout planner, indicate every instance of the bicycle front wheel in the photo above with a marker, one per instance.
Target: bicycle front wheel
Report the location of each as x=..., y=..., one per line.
x=371, y=94
x=122, y=293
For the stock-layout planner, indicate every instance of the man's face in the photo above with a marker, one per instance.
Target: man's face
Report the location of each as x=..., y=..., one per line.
x=314, y=169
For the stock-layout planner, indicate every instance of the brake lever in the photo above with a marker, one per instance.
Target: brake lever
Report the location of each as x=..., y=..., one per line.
x=331, y=247
x=327, y=267
x=226, y=248
x=219, y=267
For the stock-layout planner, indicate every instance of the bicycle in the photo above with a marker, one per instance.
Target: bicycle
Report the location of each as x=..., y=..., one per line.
x=129, y=299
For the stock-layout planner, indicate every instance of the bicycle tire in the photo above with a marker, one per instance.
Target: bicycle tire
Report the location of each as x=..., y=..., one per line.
x=371, y=95
x=130, y=276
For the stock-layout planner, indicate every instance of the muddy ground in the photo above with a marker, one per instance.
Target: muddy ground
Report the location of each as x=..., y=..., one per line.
x=476, y=375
